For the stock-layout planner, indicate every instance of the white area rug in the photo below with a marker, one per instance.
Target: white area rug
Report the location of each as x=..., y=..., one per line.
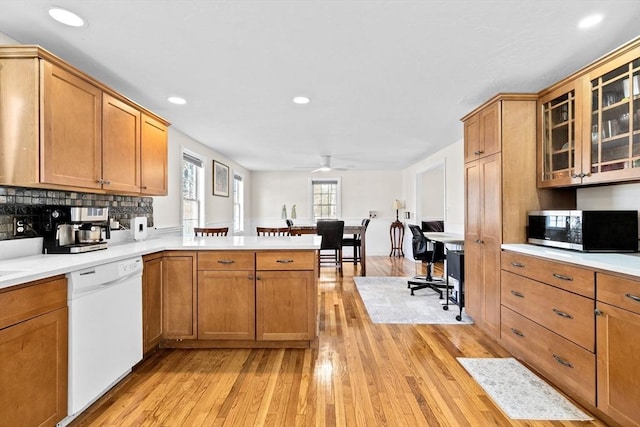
x=519, y=392
x=388, y=300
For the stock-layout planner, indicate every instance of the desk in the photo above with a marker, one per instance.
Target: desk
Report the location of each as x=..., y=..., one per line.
x=348, y=229
x=446, y=238
x=454, y=266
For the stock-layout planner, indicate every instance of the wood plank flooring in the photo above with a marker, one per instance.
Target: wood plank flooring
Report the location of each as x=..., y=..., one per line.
x=361, y=374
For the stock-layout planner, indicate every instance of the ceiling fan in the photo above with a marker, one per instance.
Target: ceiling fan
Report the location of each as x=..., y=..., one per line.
x=325, y=166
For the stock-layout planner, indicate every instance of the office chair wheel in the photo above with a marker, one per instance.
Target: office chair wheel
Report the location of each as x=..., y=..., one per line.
x=445, y=307
x=458, y=318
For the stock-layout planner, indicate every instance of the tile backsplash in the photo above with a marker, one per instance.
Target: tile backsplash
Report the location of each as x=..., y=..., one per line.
x=29, y=203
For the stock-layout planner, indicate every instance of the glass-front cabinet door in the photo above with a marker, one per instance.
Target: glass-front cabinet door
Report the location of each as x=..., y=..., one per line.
x=560, y=150
x=614, y=121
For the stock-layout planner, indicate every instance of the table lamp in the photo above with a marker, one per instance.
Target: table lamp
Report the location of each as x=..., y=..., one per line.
x=397, y=205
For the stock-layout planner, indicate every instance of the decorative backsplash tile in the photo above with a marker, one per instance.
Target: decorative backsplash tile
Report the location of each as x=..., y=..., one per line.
x=29, y=203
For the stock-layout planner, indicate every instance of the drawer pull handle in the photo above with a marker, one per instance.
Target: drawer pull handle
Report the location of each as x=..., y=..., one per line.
x=517, y=332
x=285, y=261
x=517, y=294
x=225, y=261
x=562, y=361
x=562, y=313
x=517, y=264
x=633, y=297
x=561, y=277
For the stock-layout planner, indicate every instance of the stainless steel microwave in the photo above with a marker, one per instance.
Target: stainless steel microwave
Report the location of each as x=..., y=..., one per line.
x=586, y=231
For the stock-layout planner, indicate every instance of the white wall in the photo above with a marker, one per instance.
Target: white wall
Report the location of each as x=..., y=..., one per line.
x=430, y=189
x=621, y=196
x=167, y=210
x=362, y=191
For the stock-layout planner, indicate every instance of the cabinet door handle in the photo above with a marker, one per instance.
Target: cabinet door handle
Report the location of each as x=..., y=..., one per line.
x=479, y=241
x=562, y=314
x=477, y=153
x=562, y=361
x=107, y=182
x=99, y=181
x=573, y=175
x=517, y=332
x=258, y=278
x=250, y=277
x=225, y=261
x=284, y=261
x=561, y=277
x=517, y=294
x=517, y=264
x=633, y=297
x=144, y=187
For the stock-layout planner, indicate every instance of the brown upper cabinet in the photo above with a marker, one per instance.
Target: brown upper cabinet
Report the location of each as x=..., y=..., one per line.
x=482, y=133
x=590, y=123
x=59, y=128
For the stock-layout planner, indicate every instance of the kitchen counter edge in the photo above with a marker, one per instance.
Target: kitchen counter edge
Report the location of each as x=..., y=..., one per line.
x=623, y=263
x=17, y=271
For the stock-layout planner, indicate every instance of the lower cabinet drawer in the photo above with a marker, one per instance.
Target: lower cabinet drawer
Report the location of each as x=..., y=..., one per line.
x=567, y=314
x=618, y=291
x=285, y=260
x=226, y=260
x=566, y=364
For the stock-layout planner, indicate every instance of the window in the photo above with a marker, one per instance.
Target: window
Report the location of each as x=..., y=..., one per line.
x=238, y=203
x=192, y=193
x=325, y=196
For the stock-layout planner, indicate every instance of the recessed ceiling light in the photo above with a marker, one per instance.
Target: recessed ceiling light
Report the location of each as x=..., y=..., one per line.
x=66, y=17
x=177, y=100
x=301, y=100
x=590, y=21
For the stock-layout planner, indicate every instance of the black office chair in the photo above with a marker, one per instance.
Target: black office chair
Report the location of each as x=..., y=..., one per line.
x=289, y=223
x=421, y=252
x=356, y=243
x=331, y=245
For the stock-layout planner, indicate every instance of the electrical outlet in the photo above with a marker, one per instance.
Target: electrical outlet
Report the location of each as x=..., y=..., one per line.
x=373, y=214
x=20, y=226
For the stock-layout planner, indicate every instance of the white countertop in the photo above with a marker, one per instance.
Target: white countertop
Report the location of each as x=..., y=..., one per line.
x=25, y=269
x=615, y=262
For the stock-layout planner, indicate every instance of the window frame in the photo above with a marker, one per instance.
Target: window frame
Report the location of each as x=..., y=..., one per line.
x=238, y=223
x=334, y=180
x=196, y=160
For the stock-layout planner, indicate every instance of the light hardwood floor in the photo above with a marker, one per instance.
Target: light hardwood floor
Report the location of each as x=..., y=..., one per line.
x=361, y=374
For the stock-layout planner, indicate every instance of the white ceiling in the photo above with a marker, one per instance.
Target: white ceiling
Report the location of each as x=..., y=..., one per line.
x=389, y=80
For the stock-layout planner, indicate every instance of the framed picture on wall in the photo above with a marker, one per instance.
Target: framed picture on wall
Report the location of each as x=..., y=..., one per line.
x=220, y=179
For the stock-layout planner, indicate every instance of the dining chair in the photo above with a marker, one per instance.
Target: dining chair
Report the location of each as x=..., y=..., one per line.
x=330, y=253
x=220, y=231
x=422, y=252
x=272, y=231
x=356, y=243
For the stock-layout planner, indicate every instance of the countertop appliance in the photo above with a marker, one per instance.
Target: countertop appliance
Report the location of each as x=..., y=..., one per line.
x=71, y=229
x=585, y=230
x=105, y=329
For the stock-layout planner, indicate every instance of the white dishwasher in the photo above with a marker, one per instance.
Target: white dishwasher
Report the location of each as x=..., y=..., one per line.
x=105, y=329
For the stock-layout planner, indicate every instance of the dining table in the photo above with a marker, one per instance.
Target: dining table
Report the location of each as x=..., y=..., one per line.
x=355, y=229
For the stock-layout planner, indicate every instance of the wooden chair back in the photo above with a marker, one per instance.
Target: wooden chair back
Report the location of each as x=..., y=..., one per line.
x=220, y=231
x=272, y=231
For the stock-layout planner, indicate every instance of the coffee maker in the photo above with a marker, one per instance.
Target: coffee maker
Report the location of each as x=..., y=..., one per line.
x=72, y=230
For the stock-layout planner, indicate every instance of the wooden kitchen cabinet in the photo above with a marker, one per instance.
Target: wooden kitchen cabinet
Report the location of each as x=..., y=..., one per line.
x=152, y=301
x=483, y=236
x=499, y=190
x=153, y=152
x=590, y=123
x=62, y=129
x=618, y=347
x=179, y=295
x=226, y=295
x=285, y=296
x=548, y=320
x=482, y=133
x=71, y=125
x=120, y=146
x=34, y=353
